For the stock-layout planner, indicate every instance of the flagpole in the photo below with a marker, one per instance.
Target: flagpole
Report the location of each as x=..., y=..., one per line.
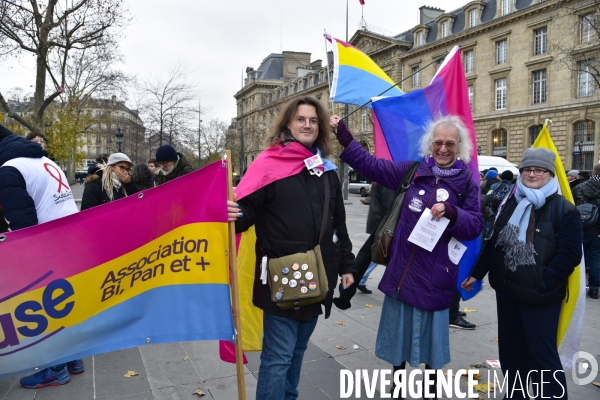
x=343, y=167
x=235, y=294
x=391, y=87
x=327, y=63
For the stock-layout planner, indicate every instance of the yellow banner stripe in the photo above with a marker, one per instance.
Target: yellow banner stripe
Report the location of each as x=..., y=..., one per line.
x=190, y=254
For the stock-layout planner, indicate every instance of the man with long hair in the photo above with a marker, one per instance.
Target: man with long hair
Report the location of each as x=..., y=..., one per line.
x=283, y=196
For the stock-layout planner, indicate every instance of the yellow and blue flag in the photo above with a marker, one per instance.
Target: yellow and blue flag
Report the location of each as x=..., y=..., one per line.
x=356, y=77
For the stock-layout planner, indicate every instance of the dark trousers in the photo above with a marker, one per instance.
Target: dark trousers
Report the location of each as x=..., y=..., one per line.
x=361, y=262
x=527, y=342
x=454, y=306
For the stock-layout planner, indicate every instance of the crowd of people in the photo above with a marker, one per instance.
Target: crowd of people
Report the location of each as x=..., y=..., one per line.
x=529, y=250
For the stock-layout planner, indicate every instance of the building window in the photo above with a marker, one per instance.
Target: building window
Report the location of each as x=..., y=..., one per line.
x=499, y=138
x=539, y=86
x=471, y=96
x=415, y=78
x=420, y=39
x=502, y=52
x=473, y=18
x=534, y=131
x=585, y=80
x=108, y=138
x=469, y=58
x=505, y=7
x=364, y=120
x=501, y=94
x=583, y=137
x=540, y=41
x=445, y=29
x=587, y=31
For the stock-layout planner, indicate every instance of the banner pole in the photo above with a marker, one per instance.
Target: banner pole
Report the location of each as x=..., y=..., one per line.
x=235, y=294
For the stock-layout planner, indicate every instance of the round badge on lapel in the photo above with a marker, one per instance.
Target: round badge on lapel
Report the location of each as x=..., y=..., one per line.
x=309, y=275
x=278, y=295
x=304, y=289
x=285, y=270
x=442, y=195
x=312, y=285
x=304, y=267
x=295, y=267
x=293, y=283
x=297, y=275
x=275, y=278
x=284, y=281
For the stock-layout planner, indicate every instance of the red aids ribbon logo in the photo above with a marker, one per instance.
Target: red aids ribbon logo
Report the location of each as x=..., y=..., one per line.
x=58, y=178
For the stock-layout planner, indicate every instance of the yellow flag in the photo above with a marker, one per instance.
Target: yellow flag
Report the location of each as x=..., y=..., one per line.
x=570, y=324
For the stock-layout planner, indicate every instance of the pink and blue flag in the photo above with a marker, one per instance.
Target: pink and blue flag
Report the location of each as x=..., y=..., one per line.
x=400, y=122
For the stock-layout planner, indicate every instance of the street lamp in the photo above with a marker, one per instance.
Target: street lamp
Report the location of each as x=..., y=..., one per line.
x=580, y=144
x=119, y=136
x=479, y=150
x=242, y=156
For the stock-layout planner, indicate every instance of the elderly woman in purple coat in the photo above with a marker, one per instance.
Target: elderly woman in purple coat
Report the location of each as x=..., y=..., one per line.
x=419, y=284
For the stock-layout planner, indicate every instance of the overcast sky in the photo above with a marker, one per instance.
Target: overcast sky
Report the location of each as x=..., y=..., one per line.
x=220, y=38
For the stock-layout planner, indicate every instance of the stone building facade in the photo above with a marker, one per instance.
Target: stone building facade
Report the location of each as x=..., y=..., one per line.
x=110, y=116
x=514, y=59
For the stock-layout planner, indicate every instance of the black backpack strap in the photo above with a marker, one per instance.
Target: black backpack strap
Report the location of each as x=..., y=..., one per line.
x=326, y=210
x=407, y=177
x=557, y=212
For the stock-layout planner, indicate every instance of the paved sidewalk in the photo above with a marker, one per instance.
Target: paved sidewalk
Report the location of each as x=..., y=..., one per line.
x=177, y=370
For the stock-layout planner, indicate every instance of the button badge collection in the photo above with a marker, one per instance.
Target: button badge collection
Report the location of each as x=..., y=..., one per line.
x=297, y=279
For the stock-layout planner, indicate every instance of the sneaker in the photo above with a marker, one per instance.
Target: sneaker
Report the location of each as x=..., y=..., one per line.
x=461, y=323
x=363, y=288
x=76, y=367
x=462, y=314
x=46, y=377
x=593, y=293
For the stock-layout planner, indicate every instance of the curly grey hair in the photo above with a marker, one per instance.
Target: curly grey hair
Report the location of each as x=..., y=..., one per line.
x=464, y=141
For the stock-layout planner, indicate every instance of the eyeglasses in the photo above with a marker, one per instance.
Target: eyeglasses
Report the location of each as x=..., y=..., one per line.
x=164, y=164
x=124, y=169
x=449, y=145
x=536, y=171
x=302, y=121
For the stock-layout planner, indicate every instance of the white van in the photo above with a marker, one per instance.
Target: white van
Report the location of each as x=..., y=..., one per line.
x=501, y=164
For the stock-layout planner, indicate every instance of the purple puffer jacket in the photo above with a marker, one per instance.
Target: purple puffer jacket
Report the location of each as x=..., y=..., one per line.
x=422, y=279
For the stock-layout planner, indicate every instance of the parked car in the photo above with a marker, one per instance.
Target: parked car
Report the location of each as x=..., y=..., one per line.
x=362, y=188
x=501, y=164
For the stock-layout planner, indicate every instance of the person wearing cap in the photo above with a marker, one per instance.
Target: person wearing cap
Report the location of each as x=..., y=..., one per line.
x=29, y=183
x=589, y=192
x=491, y=178
x=572, y=175
x=110, y=182
x=530, y=254
x=172, y=164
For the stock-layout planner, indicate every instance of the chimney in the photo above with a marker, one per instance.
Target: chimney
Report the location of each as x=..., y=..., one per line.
x=428, y=14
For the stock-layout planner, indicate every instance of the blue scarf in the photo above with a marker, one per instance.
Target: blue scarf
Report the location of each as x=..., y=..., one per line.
x=513, y=235
x=327, y=165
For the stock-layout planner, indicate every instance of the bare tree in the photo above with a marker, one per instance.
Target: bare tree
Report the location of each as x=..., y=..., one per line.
x=577, y=49
x=51, y=32
x=168, y=103
x=213, y=140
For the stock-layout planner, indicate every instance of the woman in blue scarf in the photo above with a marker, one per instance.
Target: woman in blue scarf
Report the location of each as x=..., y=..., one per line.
x=534, y=245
